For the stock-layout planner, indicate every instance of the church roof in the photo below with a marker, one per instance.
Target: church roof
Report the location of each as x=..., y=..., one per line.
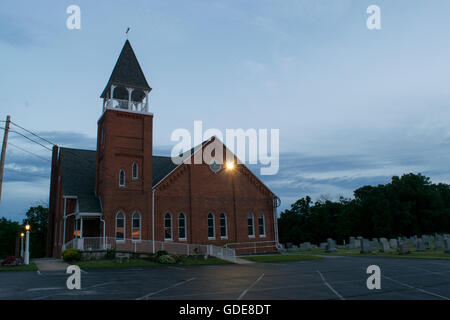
x=127, y=71
x=78, y=176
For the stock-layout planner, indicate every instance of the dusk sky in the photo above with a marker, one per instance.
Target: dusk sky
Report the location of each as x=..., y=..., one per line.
x=354, y=106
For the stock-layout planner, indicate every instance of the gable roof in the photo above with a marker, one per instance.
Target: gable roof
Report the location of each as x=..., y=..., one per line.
x=78, y=176
x=127, y=72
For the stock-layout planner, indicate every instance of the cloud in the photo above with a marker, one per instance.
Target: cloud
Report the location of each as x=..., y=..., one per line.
x=13, y=32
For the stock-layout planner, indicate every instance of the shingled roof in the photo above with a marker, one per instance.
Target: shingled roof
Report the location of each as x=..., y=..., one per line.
x=127, y=72
x=78, y=176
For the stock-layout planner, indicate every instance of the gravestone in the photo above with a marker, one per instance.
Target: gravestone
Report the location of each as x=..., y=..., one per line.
x=403, y=248
x=305, y=246
x=352, y=243
x=323, y=245
x=289, y=245
x=438, y=241
x=420, y=246
x=393, y=243
x=331, y=245
x=426, y=243
x=384, y=245
x=366, y=246
x=447, y=245
x=375, y=243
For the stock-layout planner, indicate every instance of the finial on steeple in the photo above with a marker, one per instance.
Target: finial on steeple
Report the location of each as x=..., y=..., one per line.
x=127, y=32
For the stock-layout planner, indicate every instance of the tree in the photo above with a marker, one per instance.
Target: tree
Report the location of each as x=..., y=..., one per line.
x=9, y=231
x=37, y=218
x=408, y=205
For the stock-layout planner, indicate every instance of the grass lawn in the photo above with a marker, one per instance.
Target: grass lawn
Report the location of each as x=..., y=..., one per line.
x=30, y=267
x=138, y=263
x=428, y=254
x=281, y=258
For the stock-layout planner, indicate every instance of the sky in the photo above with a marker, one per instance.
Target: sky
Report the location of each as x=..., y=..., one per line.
x=354, y=106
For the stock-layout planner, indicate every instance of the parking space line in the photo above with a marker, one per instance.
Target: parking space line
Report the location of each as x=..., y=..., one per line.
x=329, y=286
x=253, y=284
x=159, y=291
x=418, y=289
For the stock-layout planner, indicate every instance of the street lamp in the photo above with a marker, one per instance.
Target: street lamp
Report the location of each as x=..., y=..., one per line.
x=21, y=243
x=27, y=245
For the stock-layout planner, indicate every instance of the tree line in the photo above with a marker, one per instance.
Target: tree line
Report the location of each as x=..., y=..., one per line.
x=37, y=218
x=408, y=205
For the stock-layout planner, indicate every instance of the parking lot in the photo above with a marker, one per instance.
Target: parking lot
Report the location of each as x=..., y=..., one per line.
x=330, y=278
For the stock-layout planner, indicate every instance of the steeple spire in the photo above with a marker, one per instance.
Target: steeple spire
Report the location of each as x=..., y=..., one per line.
x=127, y=85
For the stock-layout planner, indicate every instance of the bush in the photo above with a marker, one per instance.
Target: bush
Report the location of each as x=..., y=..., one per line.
x=110, y=254
x=161, y=253
x=166, y=259
x=70, y=255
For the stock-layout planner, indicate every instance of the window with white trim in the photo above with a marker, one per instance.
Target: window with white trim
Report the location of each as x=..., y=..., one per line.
x=181, y=226
x=135, y=171
x=120, y=226
x=122, y=178
x=168, y=226
x=136, y=226
x=223, y=226
x=251, y=225
x=211, y=231
x=261, y=225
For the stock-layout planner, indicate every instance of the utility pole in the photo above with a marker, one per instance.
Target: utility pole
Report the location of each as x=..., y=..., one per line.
x=2, y=161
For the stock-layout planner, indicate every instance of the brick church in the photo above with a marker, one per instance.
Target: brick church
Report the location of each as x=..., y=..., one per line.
x=123, y=192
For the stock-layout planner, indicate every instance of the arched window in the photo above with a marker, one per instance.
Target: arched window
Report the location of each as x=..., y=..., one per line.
x=251, y=225
x=261, y=225
x=168, y=226
x=211, y=231
x=223, y=226
x=120, y=226
x=122, y=178
x=135, y=171
x=181, y=226
x=136, y=226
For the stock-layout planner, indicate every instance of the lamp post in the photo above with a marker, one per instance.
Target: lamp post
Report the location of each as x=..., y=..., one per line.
x=21, y=243
x=27, y=245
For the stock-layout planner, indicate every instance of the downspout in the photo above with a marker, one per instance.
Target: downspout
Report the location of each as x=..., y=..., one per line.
x=104, y=233
x=153, y=220
x=64, y=232
x=275, y=219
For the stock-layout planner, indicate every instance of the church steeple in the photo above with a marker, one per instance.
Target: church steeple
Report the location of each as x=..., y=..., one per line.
x=127, y=87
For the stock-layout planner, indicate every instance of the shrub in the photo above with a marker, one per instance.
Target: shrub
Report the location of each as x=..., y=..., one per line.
x=166, y=259
x=70, y=255
x=161, y=253
x=110, y=254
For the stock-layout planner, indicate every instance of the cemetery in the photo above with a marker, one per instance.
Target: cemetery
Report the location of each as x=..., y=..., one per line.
x=436, y=246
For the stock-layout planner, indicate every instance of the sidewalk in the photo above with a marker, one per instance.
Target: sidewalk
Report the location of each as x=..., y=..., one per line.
x=50, y=264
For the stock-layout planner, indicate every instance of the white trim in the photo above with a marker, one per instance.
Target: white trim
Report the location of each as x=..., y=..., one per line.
x=140, y=226
x=226, y=225
x=263, y=224
x=124, y=226
x=124, y=178
x=171, y=227
x=185, y=226
x=137, y=171
x=213, y=226
x=253, y=224
x=125, y=110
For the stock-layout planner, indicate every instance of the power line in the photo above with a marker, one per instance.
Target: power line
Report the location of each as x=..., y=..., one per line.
x=28, y=138
x=34, y=134
x=24, y=150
